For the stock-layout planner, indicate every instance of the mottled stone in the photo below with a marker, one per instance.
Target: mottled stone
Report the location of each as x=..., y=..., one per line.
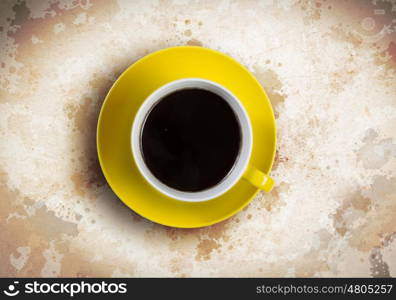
x=329, y=71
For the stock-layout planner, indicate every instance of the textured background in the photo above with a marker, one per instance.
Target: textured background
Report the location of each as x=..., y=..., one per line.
x=329, y=68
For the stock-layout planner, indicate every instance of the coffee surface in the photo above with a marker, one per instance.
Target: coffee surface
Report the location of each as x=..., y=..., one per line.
x=191, y=139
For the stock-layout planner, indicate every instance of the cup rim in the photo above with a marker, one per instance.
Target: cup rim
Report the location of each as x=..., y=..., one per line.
x=240, y=164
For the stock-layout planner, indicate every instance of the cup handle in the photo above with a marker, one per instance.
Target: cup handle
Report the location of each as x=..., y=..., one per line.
x=259, y=179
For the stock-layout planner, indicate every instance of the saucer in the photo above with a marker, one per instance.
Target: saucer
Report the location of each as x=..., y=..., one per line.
x=121, y=105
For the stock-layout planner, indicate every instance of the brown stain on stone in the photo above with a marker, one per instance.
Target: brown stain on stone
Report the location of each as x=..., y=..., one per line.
x=175, y=265
x=311, y=11
x=20, y=125
x=339, y=223
x=78, y=180
x=341, y=33
x=355, y=201
x=34, y=231
x=314, y=260
x=377, y=222
x=79, y=265
x=175, y=234
x=279, y=159
x=339, y=80
x=378, y=267
x=188, y=32
x=360, y=202
x=50, y=225
x=15, y=232
x=181, y=266
x=309, y=264
x=70, y=109
x=392, y=51
x=23, y=28
x=205, y=239
x=194, y=42
x=272, y=85
x=370, y=234
x=205, y=248
x=102, y=10
x=273, y=201
x=83, y=117
x=102, y=84
x=95, y=176
x=368, y=154
x=217, y=231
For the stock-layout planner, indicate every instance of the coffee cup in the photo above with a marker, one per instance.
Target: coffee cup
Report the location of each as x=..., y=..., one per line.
x=192, y=140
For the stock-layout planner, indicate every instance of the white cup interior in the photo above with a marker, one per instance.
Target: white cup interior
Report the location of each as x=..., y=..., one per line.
x=244, y=152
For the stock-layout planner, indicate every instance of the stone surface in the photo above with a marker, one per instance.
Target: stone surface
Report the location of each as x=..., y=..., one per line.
x=329, y=69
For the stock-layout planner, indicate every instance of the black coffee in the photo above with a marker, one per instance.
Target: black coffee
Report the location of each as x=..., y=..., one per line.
x=191, y=139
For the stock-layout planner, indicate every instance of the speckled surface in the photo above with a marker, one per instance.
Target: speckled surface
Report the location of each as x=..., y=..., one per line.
x=329, y=68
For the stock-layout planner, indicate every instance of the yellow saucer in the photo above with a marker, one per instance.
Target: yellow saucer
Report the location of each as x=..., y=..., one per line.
x=121, y=105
